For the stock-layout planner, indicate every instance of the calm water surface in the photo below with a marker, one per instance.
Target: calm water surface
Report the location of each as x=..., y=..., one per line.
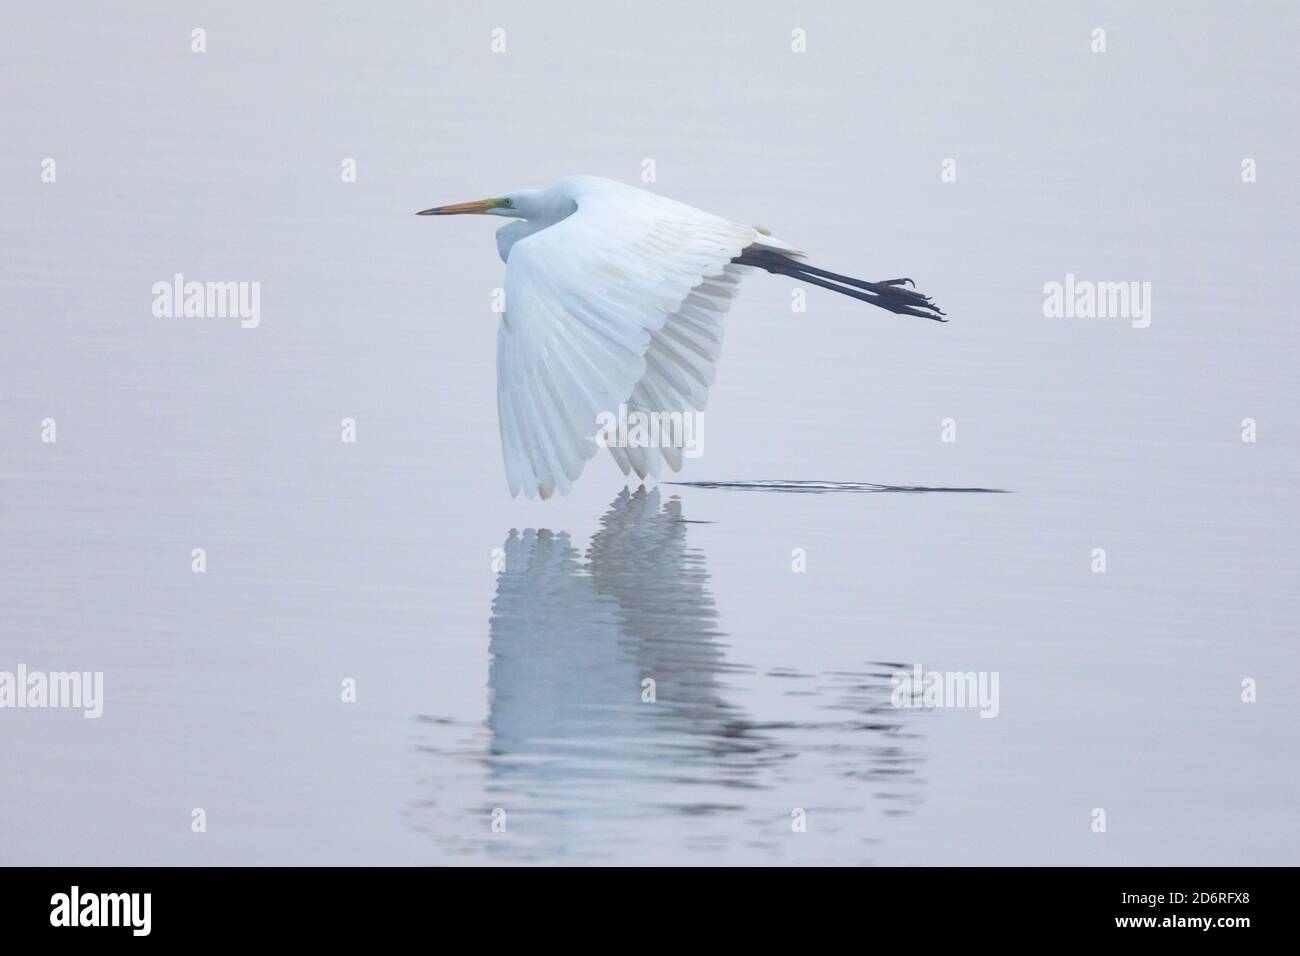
x=583, y=752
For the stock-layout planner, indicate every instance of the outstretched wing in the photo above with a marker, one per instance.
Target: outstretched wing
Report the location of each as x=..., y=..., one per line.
x=681, y=364
x=585, y=299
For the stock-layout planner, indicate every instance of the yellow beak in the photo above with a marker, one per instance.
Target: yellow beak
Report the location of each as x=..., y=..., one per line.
x=477, y=206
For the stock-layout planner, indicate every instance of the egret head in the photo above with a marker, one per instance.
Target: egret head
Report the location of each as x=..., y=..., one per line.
x=514, y=205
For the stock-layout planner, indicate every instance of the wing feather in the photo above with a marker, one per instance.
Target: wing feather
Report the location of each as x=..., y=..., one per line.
x=629, y=288
x=681, y=363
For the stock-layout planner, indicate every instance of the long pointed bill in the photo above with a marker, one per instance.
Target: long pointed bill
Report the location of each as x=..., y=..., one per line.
x=479, y=206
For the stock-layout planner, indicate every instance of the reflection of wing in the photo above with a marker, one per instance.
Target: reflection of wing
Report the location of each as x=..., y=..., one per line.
x=639, y=558
x=572, y=643
x=586, y=763
x=584, y=300
x=556, y=672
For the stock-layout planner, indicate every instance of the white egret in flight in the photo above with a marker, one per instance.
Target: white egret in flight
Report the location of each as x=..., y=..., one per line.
x=615, y=298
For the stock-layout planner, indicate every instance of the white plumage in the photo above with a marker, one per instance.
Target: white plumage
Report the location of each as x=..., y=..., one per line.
x=613, y=296
x=618, y=301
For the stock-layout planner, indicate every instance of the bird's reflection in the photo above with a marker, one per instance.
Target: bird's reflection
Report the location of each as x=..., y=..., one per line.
x=620, y=650
x=613, y=704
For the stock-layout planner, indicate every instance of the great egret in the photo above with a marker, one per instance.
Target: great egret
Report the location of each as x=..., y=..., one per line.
x=614, y=303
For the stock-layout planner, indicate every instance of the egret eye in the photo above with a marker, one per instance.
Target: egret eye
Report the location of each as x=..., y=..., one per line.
x=507, y=202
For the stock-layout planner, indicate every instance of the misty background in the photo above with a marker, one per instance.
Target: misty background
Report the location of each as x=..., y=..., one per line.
x=520, y=690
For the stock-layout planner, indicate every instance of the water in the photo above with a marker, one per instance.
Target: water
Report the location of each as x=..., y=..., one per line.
x=616, y=703
x=499, y=647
